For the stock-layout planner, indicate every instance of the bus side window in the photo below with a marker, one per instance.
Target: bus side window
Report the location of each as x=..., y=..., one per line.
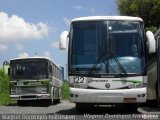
x=50, y=69
x=60, y=74
x=57, y=72
x=54, y=70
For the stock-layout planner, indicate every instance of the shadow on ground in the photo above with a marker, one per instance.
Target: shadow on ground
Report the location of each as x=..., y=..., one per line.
x=97, y=111
x=33, y=103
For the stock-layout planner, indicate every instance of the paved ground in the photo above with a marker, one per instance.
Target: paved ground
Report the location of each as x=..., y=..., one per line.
x=66, y=110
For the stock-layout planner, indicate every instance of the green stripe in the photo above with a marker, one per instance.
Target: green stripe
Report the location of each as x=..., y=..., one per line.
x=133, y=81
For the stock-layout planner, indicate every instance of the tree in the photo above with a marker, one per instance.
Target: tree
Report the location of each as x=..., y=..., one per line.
x=148, y=10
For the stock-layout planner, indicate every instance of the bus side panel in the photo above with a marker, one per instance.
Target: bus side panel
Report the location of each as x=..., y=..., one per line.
x=152, y=81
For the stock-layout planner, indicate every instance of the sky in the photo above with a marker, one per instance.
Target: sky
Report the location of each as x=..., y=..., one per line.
x=33, y=27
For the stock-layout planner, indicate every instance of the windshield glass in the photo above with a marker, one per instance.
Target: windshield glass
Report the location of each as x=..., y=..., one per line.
x=29, y=69
x=97, y=43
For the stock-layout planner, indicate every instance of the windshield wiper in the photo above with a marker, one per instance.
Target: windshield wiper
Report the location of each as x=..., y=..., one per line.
x=104, y=53
x=115, y=59
x=111, y=54
x=94, y=66
x=120, y=66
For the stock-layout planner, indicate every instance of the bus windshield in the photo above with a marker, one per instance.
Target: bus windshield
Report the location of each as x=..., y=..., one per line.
x=29, y=69
x=94, y=46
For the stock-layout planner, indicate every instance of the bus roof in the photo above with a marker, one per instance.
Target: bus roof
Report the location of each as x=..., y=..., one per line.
x=95, y=18
x=35, y=57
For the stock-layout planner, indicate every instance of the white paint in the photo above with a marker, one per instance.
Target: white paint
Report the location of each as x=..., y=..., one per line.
x=94, y=18
x=63, y=40
x=151, y=42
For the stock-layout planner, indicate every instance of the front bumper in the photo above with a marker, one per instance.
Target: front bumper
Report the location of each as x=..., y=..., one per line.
x=30, y=97
x=78, y=95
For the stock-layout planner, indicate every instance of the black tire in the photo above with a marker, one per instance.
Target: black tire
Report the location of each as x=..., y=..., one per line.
x=45, y=102
x=151, y=103
x=80, y=107
x=131, y=106
x=21, y=102
x=56, y=101
x=49, y=101
x=158, y=102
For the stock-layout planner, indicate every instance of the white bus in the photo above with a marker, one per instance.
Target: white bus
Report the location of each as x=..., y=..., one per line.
x=153, y=87
x=35, y=78
x=107, y=60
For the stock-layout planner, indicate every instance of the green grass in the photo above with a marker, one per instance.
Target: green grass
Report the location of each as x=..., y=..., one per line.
x=65, y=90
x=4, y=89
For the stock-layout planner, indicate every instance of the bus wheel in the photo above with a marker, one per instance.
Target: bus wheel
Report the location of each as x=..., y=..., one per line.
x=158, y=102
x=45, y=102
x=82, y=107
x=21, y=102
x=131, y=106
x=56, y=101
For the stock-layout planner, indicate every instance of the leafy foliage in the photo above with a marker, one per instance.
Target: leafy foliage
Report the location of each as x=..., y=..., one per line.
x=4, y=88
x=65, y=89
x=4, y=84
x=148, y=10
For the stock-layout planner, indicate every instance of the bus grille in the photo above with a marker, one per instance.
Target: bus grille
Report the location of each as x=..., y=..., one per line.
x=27, y=90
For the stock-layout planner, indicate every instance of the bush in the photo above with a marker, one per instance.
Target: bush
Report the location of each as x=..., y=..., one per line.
x=4, y=88
x=65, y=89
x=4, y=84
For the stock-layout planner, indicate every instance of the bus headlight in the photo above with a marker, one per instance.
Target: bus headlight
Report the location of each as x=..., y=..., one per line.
x=139, y=85
x=42, y=89
x=13, y=90
x=131, y=86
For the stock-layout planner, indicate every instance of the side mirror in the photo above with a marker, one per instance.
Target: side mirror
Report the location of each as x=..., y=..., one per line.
x=151, y=42
x=63, y=40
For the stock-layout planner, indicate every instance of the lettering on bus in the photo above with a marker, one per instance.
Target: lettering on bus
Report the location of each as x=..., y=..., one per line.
x=91, y=80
